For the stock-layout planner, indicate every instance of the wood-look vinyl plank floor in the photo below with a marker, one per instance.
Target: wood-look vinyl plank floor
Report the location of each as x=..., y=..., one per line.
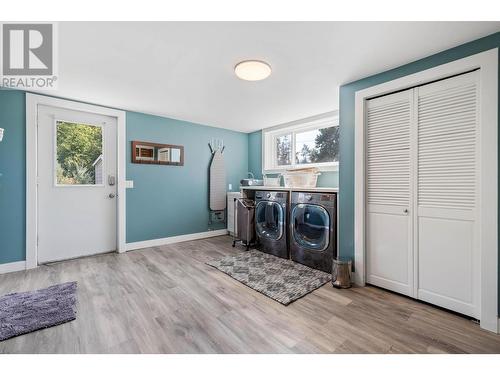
x=167, y=300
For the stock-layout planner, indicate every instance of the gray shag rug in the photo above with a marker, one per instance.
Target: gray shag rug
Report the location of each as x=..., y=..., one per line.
x=26, y=312
x=280, y=279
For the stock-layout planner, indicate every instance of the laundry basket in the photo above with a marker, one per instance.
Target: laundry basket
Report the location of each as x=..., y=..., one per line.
x=244, y=214
x=301, y=178
x=272, y=181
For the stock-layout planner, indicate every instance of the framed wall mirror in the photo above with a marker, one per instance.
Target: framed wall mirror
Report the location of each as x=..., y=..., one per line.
x=157, y=153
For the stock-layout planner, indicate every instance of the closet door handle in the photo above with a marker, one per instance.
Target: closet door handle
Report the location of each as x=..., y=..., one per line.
x=405, y=211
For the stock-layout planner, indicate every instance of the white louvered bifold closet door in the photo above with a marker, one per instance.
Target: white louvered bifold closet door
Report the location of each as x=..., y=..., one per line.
x=447, y=185
x=388, y=156
x=422, y=172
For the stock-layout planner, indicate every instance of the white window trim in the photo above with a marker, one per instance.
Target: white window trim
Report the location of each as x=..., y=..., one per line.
x=487, y=63
x=32, y=103
x=310, y=123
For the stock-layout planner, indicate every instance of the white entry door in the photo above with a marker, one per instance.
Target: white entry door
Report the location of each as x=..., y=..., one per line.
x=76, y=168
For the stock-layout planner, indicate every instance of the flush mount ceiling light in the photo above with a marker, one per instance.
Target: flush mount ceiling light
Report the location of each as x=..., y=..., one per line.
x=252, y=70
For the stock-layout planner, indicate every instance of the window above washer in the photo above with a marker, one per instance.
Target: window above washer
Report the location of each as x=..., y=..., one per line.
x=310, y=142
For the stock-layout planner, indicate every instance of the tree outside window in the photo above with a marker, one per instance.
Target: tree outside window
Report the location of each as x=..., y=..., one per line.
x=78, y=147
x=284, y=149
x=317, y=146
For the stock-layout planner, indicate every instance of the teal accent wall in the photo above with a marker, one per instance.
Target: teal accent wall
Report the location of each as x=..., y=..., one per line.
x=12, y=176
x=255, y=153
x=326, y=179
x=347, y=99
x=168, y=200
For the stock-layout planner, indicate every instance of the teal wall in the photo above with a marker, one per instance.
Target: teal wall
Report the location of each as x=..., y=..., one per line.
x=326, y=179
x=255, y=153
x=168, y=200
x=12, y=176
x=347, y=96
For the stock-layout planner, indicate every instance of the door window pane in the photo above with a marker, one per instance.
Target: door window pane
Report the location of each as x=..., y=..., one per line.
x=284, y=149
x=317, y=146
x=79, y=154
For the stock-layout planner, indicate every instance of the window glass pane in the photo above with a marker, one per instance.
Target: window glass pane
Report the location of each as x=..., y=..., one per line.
x=284, y=149
x=79, y=154
x=317, y=146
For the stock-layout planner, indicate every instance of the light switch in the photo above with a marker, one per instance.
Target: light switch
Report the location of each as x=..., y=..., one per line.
x=129, y=184
x=230, y=187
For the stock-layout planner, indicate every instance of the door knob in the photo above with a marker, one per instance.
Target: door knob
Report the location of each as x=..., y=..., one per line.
x=111, y=195
x=405, y=211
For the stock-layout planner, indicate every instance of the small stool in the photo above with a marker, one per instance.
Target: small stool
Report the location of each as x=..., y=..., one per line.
x=341, y=272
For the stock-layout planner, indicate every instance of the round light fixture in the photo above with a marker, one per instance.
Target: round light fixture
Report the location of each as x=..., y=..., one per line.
x=252, y=70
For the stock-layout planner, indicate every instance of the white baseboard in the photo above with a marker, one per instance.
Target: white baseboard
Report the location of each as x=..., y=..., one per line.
x=13, y=267
x=174, y=239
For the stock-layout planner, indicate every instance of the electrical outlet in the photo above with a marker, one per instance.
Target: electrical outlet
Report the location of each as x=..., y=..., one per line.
x=129, y=184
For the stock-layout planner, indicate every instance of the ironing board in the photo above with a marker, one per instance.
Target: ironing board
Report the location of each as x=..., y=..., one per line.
x=217, y=182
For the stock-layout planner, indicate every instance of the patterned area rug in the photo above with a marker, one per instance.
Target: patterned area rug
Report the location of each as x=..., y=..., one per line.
x=280, y=279
x=26, y=312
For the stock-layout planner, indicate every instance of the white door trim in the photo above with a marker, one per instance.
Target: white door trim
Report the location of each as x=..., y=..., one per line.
x=32, y=103
x=487, y=62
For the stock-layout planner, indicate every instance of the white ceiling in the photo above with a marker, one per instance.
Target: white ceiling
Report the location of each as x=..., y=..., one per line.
x=185, y=70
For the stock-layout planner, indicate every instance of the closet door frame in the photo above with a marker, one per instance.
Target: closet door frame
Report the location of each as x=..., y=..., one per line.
x=487, y=63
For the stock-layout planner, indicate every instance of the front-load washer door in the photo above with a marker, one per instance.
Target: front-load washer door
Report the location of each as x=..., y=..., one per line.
x=311, y=227
x=269, y=220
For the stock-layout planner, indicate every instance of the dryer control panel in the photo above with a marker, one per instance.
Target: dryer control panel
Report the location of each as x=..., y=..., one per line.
x=324, y=199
